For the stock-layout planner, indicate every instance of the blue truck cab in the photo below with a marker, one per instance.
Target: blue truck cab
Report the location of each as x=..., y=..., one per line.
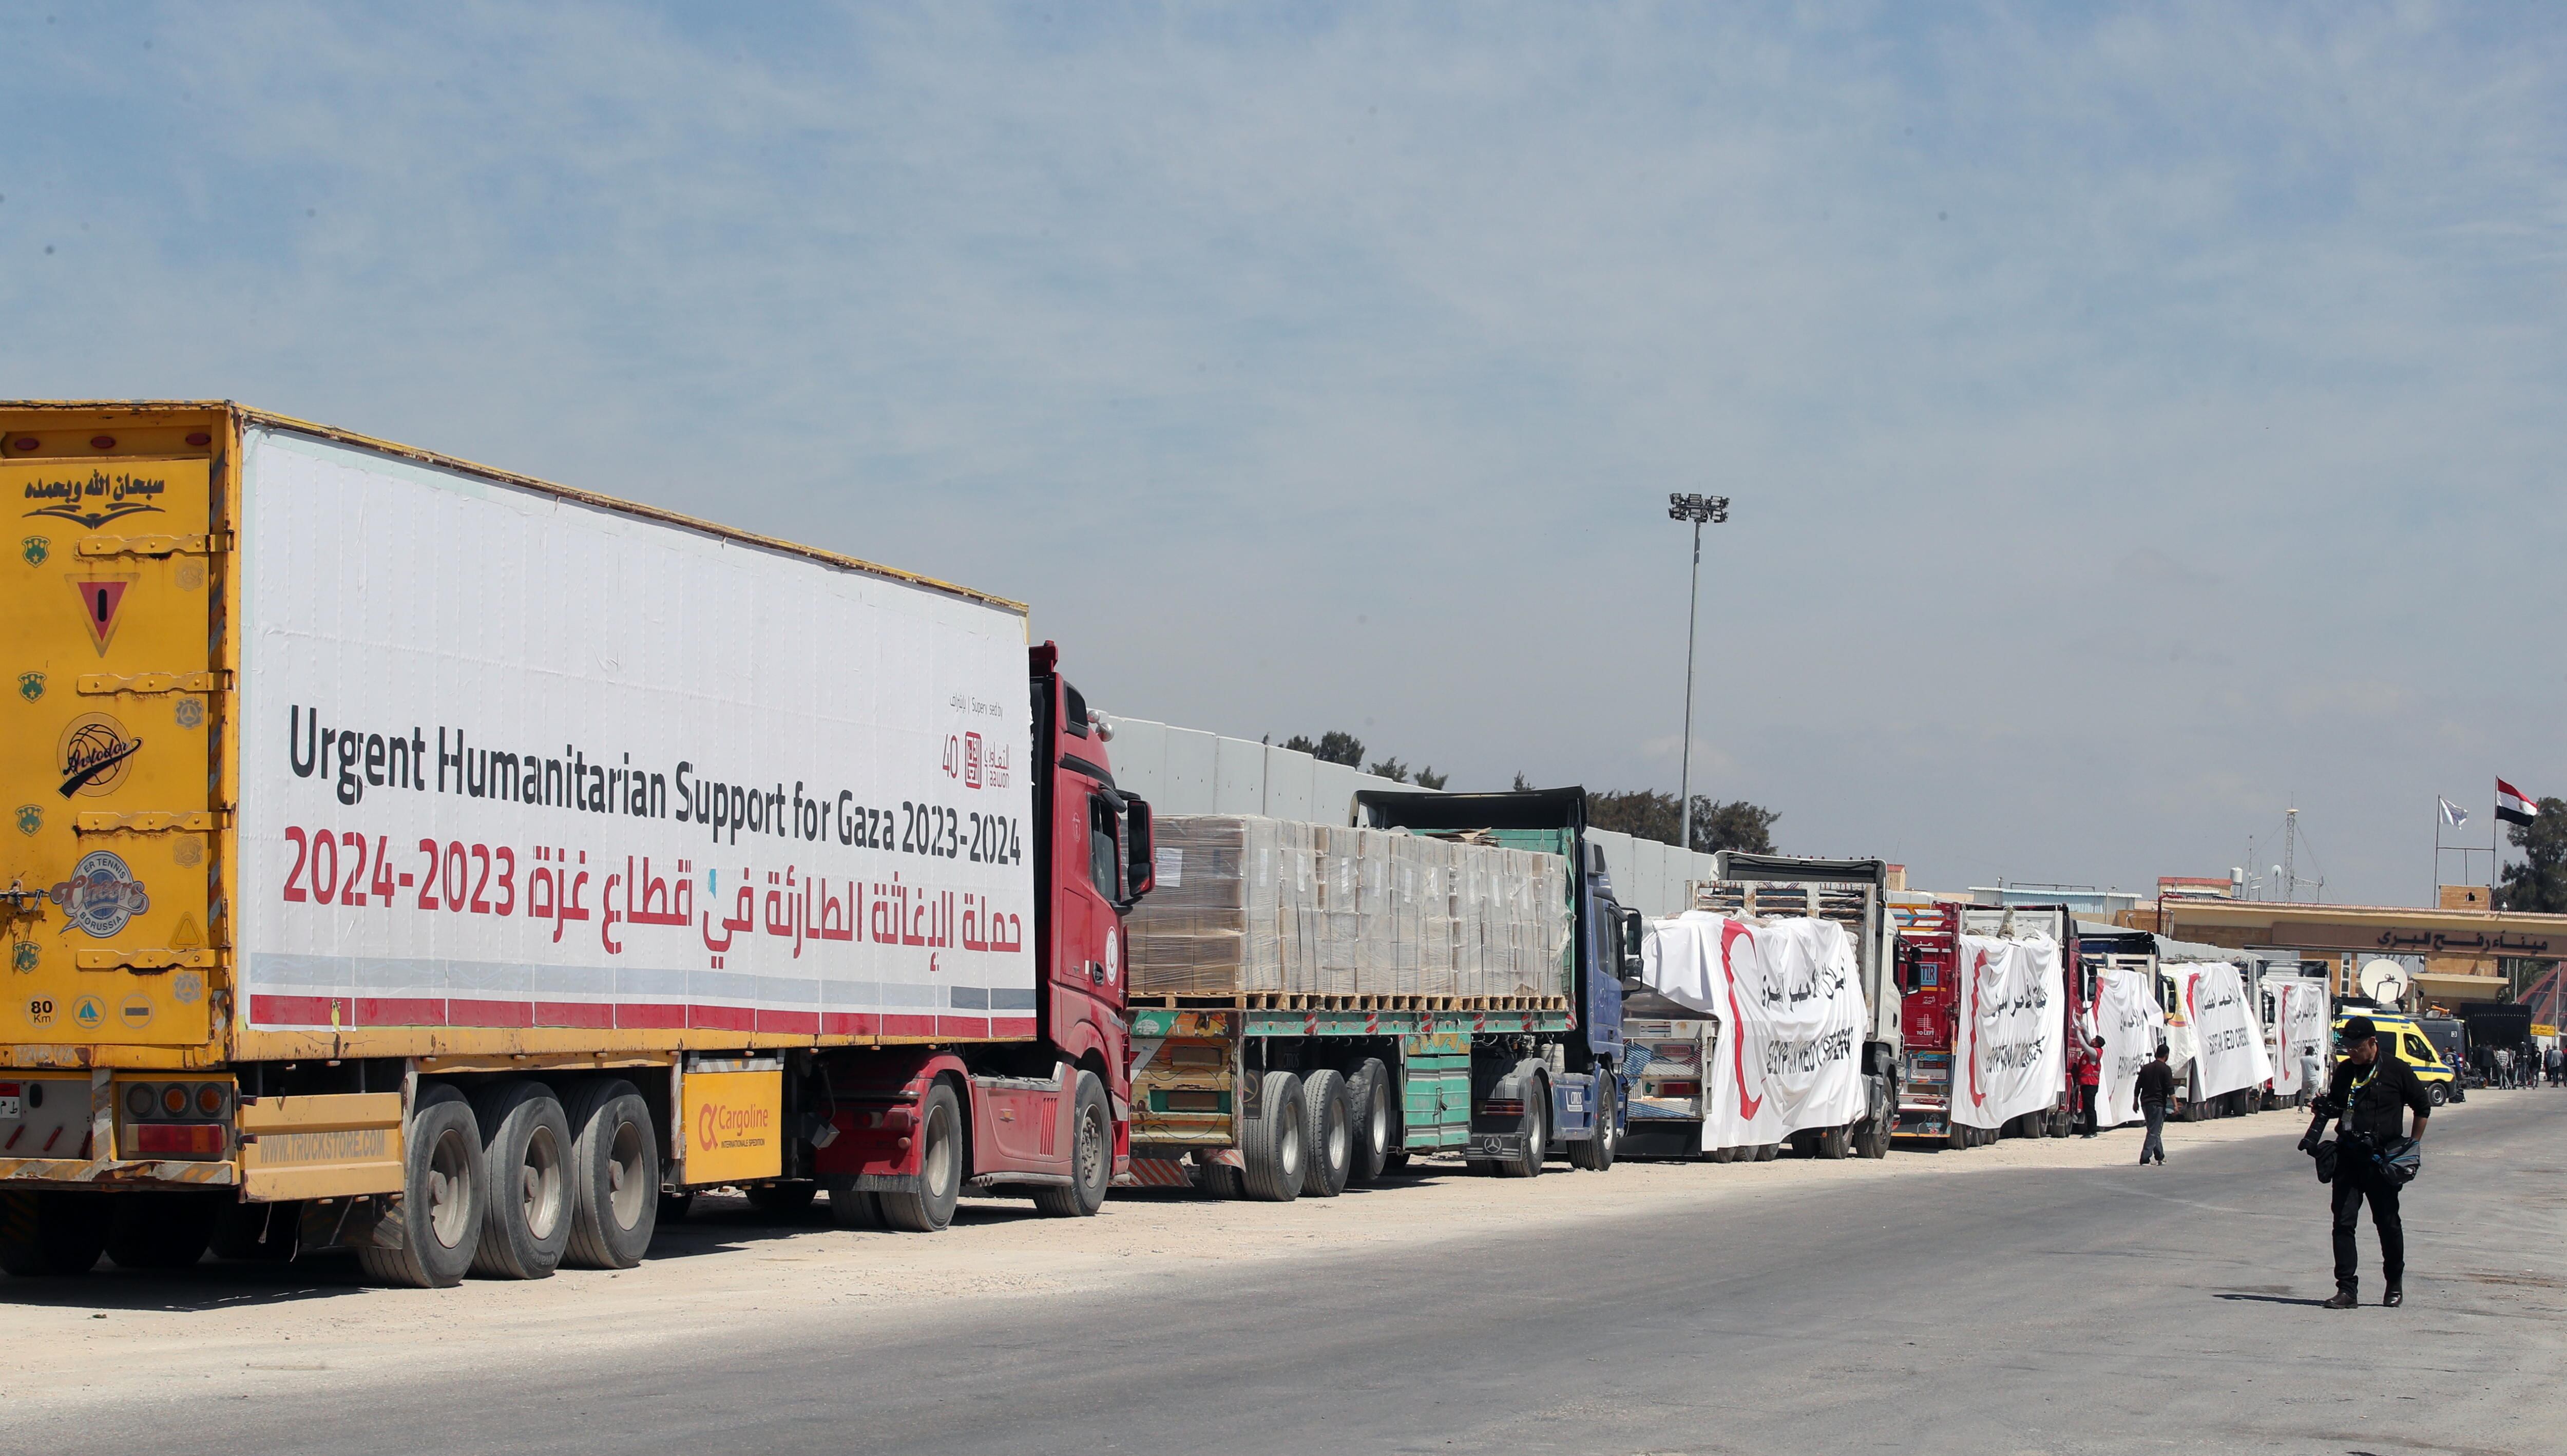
x=1552, y=1085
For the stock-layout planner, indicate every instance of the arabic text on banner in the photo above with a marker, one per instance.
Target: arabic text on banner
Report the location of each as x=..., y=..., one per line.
x=2009, y=1031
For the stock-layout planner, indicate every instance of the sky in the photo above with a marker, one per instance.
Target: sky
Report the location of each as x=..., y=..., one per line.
x=2137, y=421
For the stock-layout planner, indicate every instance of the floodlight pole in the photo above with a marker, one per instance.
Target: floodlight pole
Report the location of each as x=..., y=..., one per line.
x=1697, y=509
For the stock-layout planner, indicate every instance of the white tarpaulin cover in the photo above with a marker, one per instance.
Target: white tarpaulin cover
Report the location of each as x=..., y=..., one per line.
x=2229, y=1045
x=1790, y=1012
x=2009, y=1031
x=510, y=760
x=2299, y=1024
x=2133, y=1025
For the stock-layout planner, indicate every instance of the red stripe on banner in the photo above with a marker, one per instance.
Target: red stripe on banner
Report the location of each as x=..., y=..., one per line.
x=489, y=1013
x=722, y=1019
x=798, y=1024
x=962, y=1025
x=650, y=1016
x=399, y=1011
x=909, y=1026
x=588, y=1016
x=293, y=1010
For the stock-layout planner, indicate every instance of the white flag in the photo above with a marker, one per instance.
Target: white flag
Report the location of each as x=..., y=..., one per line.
x=2452, y=815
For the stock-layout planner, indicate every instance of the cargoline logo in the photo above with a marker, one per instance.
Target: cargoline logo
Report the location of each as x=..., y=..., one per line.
x=719, y=1125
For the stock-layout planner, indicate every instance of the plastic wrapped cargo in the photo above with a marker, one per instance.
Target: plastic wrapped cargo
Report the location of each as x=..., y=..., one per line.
x=1260, y=904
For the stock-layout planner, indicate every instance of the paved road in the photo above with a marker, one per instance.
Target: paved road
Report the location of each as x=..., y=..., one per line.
x=2032, y=1310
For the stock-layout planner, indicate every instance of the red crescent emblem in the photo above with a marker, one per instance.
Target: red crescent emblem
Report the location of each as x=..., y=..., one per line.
x=1977, y=1098
x=1731, y=932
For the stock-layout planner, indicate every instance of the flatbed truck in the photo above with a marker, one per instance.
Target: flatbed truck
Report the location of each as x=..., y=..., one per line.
x=1279, y=1095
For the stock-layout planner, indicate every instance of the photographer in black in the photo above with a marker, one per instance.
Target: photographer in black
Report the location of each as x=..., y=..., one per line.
x=2368, y=1159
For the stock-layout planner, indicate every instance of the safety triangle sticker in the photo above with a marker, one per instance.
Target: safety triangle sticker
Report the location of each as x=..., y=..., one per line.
x=189, y=937
x=102, y=600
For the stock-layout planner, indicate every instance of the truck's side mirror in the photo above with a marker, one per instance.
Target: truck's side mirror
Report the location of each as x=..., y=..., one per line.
x=1140, y=859
x=1634, y=931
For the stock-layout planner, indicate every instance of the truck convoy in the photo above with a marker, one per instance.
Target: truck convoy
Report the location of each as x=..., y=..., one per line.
x=1680, y=1106
x=421, y=859
x=1315, y=1003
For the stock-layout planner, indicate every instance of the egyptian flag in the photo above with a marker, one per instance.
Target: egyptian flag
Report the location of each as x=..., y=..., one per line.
x=2512, y=805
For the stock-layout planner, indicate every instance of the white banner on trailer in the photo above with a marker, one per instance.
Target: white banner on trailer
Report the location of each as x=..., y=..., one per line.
x=2228, y=1044
x=2133, y=1027
x=2009, y=1031
x=1790, y=1012
x=2299, y=1025
x=515, y=761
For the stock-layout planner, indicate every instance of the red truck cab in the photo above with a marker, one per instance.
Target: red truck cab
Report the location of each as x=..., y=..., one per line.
x=907, y=1128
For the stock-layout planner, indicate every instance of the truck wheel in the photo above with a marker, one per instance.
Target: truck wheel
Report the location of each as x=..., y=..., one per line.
x=161, y=1230
x=1219, y=1183
x=1765, y=1151
x=1368, y=1114
x=526, y=1183
x=1394, y=1162
x=1834, y=1142
x=1875, y=1141
x=2438, y=1094
x=1091, y=1156
x=783, y=1200
x=1536, y=1134
x=1327, y=1134
x=940, y=1168
x=616, y=1202
x=852, y=1208
x=1272, y=1147
x=44, y=1234
x=1956, y=1136
x=1595, y=1155
x=439, y=1220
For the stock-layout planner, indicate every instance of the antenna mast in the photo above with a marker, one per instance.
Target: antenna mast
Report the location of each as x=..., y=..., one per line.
x=2290, y=842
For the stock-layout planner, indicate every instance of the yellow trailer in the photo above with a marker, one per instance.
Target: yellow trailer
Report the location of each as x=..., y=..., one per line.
x=314, y=941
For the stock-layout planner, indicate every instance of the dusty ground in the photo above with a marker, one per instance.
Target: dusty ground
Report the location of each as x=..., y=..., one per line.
x=241, y=1331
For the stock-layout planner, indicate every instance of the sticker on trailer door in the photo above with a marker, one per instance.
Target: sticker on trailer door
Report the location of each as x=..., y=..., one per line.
x=100, y=895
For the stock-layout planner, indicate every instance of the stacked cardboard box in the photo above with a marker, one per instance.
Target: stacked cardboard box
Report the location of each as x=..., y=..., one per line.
x=1250, y=904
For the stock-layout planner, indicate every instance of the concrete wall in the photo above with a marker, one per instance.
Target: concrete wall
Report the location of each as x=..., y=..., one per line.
x=1188, y=772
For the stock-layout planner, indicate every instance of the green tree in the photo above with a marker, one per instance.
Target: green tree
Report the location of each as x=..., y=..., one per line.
x=1334, y=747
x=1717, y=825
x=2539, y=882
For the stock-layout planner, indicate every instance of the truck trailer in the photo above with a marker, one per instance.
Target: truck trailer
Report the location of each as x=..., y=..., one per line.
x=426, y=860
x=1932, y=975
x=1674, y=1052
x=1440, y=977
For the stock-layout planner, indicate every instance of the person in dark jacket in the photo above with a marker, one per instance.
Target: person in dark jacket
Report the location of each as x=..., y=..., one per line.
x=2367, y=1097
x=2156, y=1092
x=2090, y=1077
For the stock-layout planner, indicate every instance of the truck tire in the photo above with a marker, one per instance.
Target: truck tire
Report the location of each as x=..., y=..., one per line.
x=1956, y=1136
x=1536, y=1134
x=1765, y=1151
x=1875, y=1141
x=526, y=1182
x=1368, y=1115
x=1219, y=1183
x=1091, y=1155
x=1327, y=1134
x=852, y=1208
x=940, y=1168
x=161, y=1230
x=439, y=1219
x=783, y=1200
x=1834, y=1142
x=1595, y=1155
x=44, y=1235
x=1394, y=1162
x=616, y=1202
x=1273, y=1145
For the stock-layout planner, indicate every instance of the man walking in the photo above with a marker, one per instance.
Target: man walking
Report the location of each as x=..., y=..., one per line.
x=2366, y=1097
x=2157, y=1090
x=2090, y=1077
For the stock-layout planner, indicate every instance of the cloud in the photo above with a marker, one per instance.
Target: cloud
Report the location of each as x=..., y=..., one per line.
x=2095, y=391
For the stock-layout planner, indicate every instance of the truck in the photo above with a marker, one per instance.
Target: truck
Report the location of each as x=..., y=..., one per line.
x=1675, y=1051
x=1929, y=978
x=1278, y=1090
x=429, y=861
